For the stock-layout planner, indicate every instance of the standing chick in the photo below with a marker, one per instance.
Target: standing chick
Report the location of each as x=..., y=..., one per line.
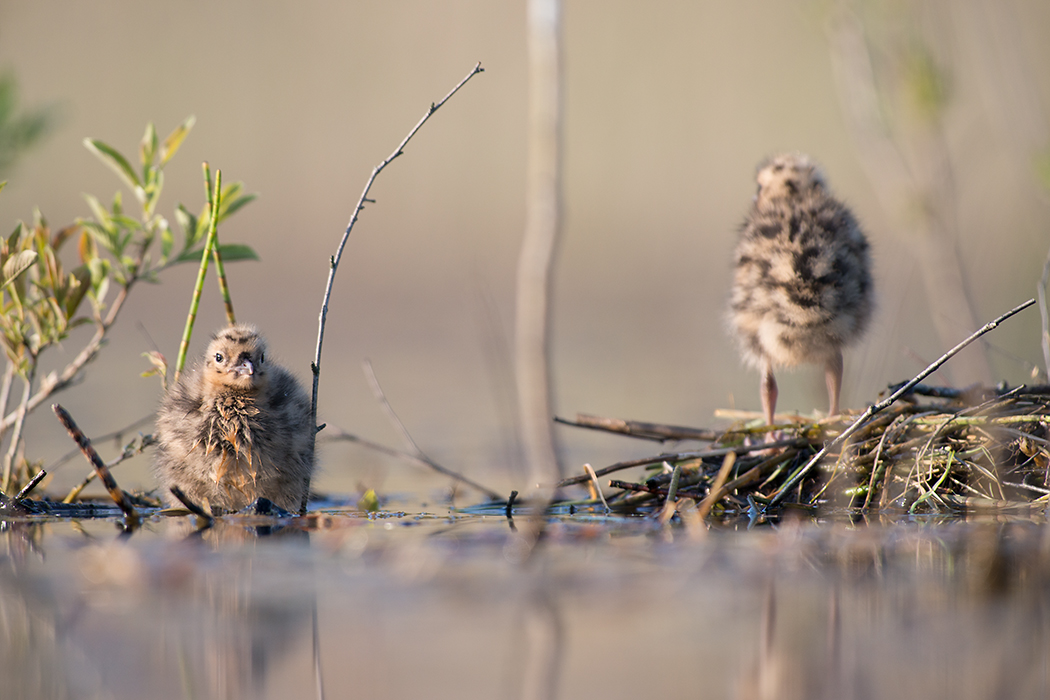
x=235, y=428
x=802, y=288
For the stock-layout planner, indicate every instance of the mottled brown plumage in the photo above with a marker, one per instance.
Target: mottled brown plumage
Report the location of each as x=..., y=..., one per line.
x=802, y=287
x=235, y=428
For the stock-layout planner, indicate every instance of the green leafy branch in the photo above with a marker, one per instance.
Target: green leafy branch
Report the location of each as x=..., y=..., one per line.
x=40, y=302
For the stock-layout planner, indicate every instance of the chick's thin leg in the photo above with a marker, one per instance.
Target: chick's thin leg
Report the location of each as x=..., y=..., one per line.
x=833, y=375
x=769, y=393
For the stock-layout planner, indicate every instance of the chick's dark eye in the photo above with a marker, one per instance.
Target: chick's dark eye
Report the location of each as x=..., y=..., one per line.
x=218, y=357
x=262, y=358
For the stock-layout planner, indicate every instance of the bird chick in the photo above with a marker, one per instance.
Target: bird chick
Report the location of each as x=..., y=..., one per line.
x=802, y=287
x=235, y=428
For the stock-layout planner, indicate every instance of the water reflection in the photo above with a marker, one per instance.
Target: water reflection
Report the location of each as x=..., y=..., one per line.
x=438, y=606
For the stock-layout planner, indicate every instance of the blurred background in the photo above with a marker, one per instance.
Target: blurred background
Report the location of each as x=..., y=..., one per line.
x=930, y=119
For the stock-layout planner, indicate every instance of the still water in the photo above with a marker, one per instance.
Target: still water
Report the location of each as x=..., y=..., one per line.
x=444, y=604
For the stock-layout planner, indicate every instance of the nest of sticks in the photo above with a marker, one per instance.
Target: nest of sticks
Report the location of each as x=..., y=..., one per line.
x=931, y=450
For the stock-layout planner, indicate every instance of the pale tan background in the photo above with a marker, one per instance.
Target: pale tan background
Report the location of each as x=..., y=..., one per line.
x=668, y=109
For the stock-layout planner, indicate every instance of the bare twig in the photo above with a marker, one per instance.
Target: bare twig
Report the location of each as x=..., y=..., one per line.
x=597, y=486
x=16, y=436
x=117, y=436
x=658, y=432
x=380, y=395
x=717, y=493
x=129, y=452
x=888, y=401
x=413, y=448
x=28, y=488
x=673, y=457
x=420, y=459
x=190, y=505
x=5, y=394
x=131, y=518
x=334, y=260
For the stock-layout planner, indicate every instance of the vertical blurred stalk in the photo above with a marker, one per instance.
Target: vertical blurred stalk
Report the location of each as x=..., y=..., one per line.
x=910, y=168
x=542, y=229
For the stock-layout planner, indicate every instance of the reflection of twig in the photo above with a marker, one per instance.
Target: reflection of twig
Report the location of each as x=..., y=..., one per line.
x=544, y=634
x=888, y=401
x=334, y=260
x=131, y=518
x=318, y=678
x=420, y=459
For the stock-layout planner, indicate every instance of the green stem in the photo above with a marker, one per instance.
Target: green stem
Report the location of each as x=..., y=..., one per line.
x=209, y=246
x=220, y=270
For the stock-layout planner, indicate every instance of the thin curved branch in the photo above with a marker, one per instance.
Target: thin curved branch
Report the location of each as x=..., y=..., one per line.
x=334, y=260
x=315, y=367
x=420, y=459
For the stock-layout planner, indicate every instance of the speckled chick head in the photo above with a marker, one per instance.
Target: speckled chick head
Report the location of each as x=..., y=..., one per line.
x=235, y=361
x=787, y=176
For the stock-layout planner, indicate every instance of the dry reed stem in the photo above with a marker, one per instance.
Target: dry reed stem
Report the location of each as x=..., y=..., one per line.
x=597, y=486
x=716, y=489
x=131, y=518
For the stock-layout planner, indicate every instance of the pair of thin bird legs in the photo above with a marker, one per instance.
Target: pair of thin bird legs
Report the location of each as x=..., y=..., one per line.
x=832, y=374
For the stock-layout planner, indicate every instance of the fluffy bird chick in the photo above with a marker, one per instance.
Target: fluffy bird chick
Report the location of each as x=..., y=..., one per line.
x=235, y=428
x=802, y=287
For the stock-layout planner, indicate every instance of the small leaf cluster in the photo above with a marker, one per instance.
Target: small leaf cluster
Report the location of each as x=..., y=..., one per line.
x=129, y=241
x=40, y=300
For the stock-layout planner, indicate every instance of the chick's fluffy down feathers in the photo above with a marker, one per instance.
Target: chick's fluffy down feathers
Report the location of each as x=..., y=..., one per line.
x=802, y=287
x=235, y=428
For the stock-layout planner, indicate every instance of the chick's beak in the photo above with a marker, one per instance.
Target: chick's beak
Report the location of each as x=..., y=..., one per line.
x=244, y=369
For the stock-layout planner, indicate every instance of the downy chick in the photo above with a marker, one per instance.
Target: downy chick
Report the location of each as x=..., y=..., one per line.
x=235, y=428
x=802, y=288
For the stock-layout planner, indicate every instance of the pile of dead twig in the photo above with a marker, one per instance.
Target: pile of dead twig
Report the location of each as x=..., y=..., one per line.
x=934, y=449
